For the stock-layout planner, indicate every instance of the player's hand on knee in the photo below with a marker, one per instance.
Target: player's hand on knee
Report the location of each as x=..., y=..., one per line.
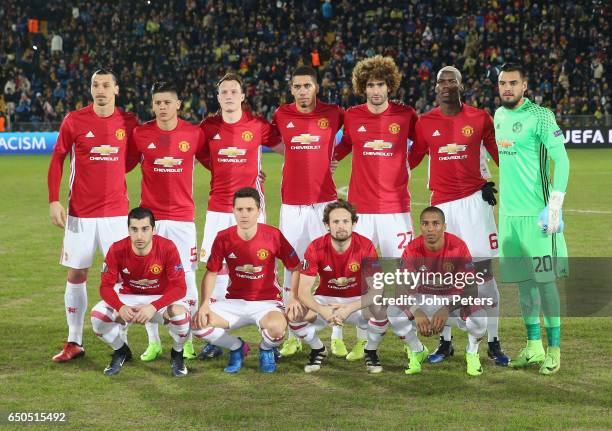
x=201, y=318
x=295, y=310
x=327, y=313
x=57, y=213
x=488, y=193
x=422, y=323
x=341, y=313
x=126, y=313
x=144, y=313
x=439, y=320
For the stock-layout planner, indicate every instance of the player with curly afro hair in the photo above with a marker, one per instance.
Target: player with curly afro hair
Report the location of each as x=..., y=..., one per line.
x=377, y=68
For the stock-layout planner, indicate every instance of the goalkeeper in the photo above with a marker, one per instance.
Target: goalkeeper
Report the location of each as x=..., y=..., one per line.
x=533, y=251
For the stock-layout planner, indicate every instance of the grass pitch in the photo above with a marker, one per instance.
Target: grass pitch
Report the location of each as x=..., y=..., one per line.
x=340, y=396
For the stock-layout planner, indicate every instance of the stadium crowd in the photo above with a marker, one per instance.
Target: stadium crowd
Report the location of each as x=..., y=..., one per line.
x=50, y=48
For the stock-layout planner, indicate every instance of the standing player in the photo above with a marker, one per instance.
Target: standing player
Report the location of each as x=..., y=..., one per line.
x=168, y=147
x=438, y=252
x=253, y=296
x=233, y=143
x=152, y=289
x=533, y=249
x=377, y=133
x=97, y=139
x=342, y=294
x=453, y=134
x=308, y=128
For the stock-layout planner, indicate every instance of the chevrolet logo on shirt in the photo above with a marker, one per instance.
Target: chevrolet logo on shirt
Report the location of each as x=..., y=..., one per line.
x=144, y=283
x=249, y=271
x=378, y=145
x=232, y=153
x=248, y=268
x=305, y=140
x=452, y=151
x=103, y=152
x=168, y=164
x=452, y=148
x=342, y=282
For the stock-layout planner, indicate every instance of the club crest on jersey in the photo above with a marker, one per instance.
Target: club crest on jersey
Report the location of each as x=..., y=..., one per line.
x=323, y=123
x=120, y=134
x=517, y=127
x=394, y=128
x=247, y=136
x=156, y=268
x=448, y=266
x=262, y=254
x=183, y=146
x=452, y=148
x=467, y=131
x=354, y=266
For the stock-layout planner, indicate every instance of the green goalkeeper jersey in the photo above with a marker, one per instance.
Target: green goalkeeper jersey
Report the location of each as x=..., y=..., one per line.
x=528, y=137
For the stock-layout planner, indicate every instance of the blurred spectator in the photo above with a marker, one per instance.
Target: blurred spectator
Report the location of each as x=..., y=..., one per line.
x=563, y=45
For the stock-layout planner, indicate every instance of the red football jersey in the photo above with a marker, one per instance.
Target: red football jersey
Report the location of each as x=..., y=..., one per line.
x=235, y=156
x=309, y=146
x=453, y=144
x=98, y=151
x=168, y=159
x=379, y=175
x=252, y=263
x=158, y=273
x=454, y=258
x=340, y=273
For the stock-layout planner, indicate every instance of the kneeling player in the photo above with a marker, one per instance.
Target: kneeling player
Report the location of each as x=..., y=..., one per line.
x=337, y=258
x=152, y=290
x=438, y=303
x=254, y=295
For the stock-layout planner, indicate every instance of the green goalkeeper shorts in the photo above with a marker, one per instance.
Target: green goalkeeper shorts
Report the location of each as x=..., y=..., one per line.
x=528, y=254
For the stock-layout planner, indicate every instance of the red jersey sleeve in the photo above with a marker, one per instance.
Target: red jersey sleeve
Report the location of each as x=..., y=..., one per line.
x=215, y=260
x=270, y=137
x=177, y=288
x=310, y=266
x=419, y=147
x=56, y=166
x=133, y=155
x=287, y=254
x=488, y=138
x=110, y=276
x=344, y=147
x=203, y=153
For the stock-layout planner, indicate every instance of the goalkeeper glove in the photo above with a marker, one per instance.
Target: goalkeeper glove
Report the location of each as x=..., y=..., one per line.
x=488, y=193
x=551, y=217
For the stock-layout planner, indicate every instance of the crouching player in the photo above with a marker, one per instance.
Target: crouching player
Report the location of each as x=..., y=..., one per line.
x=436, y=302
x=152, y=290
x=342, y=295
x=253, y=295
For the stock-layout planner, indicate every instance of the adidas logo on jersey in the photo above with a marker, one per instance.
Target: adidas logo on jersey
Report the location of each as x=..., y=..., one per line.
x=362, y=129
x=90, y=134
x=217, y=136
x=232, y=256
x=436, y=133
x=327, y=268
x=290, y=125
x=151, y=146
